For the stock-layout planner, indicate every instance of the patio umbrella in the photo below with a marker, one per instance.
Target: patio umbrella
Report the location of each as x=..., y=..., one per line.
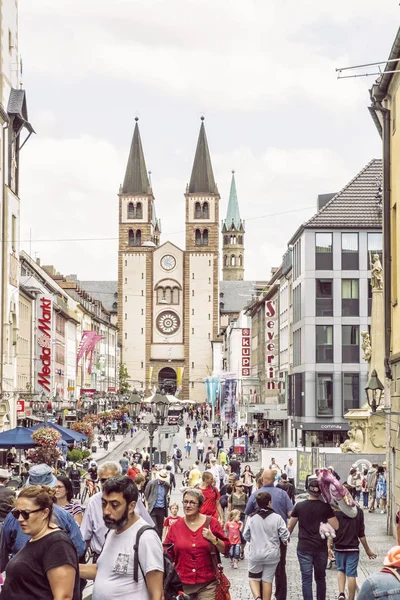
x=19, y=437
x=68, y=435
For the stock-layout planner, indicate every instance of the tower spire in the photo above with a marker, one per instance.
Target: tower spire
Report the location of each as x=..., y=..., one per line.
x=202, y=177
x=233, y=214
x=136, y=180
x=233, y=238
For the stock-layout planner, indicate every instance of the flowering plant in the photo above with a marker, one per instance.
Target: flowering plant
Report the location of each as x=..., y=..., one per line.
x=84, y=427
x=46, y=436
x=46, y=450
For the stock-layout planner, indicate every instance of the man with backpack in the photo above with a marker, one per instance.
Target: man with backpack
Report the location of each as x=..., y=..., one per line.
x=177, y=456
x=114, y=572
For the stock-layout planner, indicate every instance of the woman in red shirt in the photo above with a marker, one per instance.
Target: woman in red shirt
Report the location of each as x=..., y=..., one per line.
x=191, y=547
x=211, y=505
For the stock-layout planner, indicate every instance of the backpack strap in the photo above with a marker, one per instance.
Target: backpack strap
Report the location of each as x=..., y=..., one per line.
x=393, y=571
x=136, y=563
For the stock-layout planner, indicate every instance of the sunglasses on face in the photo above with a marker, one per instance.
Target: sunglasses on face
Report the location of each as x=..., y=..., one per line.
x=23, y=513
x=189, y=503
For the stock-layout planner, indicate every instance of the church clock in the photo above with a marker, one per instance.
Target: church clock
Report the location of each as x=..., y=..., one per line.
x=168, y=262
x=168, y=322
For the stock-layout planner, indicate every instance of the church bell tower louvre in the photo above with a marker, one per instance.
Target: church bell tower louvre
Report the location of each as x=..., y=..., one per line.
x=233, y=230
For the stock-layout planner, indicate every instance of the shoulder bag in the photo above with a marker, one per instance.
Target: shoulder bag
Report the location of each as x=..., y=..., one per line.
x=223, y=584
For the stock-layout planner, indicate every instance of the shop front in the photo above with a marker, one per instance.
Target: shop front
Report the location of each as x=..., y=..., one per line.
x=322, y=435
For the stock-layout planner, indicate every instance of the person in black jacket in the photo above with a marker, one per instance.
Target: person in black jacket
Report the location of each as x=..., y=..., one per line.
x=288, y=487
x=350, y=533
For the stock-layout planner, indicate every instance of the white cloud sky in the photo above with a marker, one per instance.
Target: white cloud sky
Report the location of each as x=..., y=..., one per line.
x=262, y=71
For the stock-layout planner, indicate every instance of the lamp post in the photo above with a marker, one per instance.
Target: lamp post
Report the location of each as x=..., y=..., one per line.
x=374, y=390
x=159, y=407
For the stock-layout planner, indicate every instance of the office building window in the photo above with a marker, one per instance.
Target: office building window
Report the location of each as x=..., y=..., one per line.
x=369, y=298
x=350, y=391
x=297, y=260
x=297, y=348
x=324, y=298
x=296, y=395
x=374, y=247
x=297, y=303
x=324, y=395
x=323, y=252
x=350, y=298
x=324, y=343
x=350, y=344
x=350, y=251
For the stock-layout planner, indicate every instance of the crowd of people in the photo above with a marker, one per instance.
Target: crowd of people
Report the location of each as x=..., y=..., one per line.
x=51, y=545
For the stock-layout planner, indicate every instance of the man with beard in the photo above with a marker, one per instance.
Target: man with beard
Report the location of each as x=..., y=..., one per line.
x=113, y=573
x=93, y=528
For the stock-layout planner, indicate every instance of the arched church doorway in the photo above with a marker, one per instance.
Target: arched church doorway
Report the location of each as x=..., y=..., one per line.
x=167, y=380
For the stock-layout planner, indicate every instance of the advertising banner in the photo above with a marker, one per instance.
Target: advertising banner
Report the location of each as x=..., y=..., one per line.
x=44, y=344
x=230, y=401
x=246, y=352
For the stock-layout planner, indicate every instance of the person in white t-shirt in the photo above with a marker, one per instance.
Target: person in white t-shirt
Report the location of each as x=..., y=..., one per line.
x=290, y=471
x=113, y=573
x=200, y=450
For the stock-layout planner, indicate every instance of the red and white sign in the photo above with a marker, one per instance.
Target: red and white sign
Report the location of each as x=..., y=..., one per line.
x=270, y=333
x=246, y=352
x=44, y=342
x=20, y=407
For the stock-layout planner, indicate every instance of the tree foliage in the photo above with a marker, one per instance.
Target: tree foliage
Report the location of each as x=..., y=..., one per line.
x=124, y=385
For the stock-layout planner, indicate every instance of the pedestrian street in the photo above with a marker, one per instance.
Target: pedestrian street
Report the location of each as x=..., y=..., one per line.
x=375, y=528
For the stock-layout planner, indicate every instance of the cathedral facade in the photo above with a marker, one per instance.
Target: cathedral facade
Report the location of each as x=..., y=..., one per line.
x=168, y=298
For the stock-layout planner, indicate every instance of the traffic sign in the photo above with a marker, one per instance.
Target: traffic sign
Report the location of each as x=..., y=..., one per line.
x=170, y=429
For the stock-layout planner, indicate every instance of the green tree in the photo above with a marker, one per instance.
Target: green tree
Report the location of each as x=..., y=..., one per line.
x=124, y=385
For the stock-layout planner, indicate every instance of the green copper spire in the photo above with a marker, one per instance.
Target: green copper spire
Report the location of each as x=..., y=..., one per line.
x=233, y=214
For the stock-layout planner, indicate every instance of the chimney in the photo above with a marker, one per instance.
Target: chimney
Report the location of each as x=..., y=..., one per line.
x=323, y=199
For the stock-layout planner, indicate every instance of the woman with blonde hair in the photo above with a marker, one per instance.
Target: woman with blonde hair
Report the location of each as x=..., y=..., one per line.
x=46, y=568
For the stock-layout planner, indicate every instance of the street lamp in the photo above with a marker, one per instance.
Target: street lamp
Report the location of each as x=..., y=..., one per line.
x=134, y=405
x=374, y=390
x=160, y=406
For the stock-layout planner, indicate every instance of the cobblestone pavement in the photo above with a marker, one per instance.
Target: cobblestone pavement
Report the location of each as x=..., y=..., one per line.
x=377, y=538
x=375, y=527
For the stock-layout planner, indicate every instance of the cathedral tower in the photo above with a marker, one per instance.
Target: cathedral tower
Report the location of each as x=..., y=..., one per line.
x=201, y=268
x=139, y=236
x=233, y=239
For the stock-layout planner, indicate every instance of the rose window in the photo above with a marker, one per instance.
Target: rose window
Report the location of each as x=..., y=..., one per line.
x=168, y=322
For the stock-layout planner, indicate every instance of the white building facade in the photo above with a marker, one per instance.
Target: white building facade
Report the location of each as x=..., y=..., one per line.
x=331, y=298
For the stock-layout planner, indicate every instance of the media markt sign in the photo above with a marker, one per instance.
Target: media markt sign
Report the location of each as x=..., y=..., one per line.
x=44, y=338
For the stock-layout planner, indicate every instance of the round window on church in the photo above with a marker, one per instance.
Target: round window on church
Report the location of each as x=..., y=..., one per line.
x=168, y=322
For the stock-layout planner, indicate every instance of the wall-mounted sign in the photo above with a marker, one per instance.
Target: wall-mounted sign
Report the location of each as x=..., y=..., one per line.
x=20, y=406
x=246, y=352
x=271, y=374
x=44, y=342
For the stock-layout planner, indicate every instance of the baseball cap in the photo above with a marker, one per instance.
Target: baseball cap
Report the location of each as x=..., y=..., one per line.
x=313, y=486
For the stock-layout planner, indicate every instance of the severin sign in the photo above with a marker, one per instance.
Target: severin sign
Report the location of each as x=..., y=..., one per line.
x=270, y=333
x=44, y=339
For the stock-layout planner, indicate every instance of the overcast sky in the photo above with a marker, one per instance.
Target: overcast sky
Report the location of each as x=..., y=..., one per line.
x=261, y=71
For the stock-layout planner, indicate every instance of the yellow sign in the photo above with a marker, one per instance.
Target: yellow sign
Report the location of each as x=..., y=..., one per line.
x=66, y=411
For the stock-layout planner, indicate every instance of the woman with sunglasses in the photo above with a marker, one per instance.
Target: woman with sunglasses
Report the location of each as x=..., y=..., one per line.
x=46, y=568
x=64, y=498
x=191, y=539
